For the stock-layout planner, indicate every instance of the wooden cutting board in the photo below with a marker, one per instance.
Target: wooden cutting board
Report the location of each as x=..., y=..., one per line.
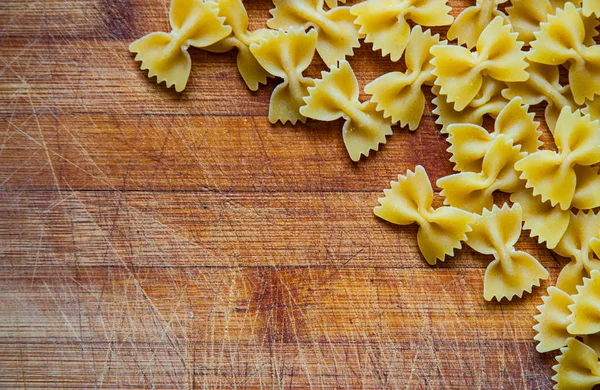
x=151, y=239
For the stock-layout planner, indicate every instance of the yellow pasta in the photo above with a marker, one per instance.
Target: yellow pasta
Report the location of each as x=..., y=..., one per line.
x=512, y=272
x=384, y=22
x=590, y=7
x=337, y=33
x=575, y=244
x=409, y=200
x=488, y=101
x=525, y=16
x=398, y=94
x=460, y=72
x=165, y=55
x=469, y=143
x=333, y=3
x=335, y=96
x=241, y=38
x=587, y=192
x=578, y=367
x=287, y=55
x=473, y=191
x=552, y=174
x=542, y=85
x=552, y=322
x=585, y=309
x=561, y=40
x=473, y=20
x=545, y=222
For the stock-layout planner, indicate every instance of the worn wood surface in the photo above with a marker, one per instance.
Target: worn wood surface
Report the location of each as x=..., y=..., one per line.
x=156, y=240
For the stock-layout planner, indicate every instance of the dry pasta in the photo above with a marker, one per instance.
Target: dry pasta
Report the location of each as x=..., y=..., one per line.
x=552, y=174
x=384, y=22
x=488, y=101
x=398, y=94
x=511, y=272
x=469, y=143
x=409, y=200
x=473, y=20
x=335, y=96
x=337, y=33
x=552, y=322
x=165, y=55
x=473, y=191
x=577, y=368
x=460, y=72
x=241, y=38
x=287, y=55
x=562, y=40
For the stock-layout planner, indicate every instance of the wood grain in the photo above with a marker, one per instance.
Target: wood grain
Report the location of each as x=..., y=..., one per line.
x=156, y=240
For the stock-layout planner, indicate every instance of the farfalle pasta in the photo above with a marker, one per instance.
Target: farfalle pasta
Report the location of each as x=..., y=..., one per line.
x=591, y=7
x=578, y=367
x=165, y=55
x=562, y=40
x=399, y=94
x=287, y=55
x=337, y=33
x=335, y=96
x=469, y=143
x=526, y=16
x=473, y=20
x=511, y=272
x=553, y=320
x=460, y=72
x=545, y=222
x=409, y=200
x=584, y=318
x=552, y=174
x=488, y=101
x=575, y=244
x=542, y=85
x=473, y=191
x=384, y=22
x=241, y=38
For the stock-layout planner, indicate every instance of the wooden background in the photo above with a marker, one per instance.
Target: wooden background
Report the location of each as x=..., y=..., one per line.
x=150, y=239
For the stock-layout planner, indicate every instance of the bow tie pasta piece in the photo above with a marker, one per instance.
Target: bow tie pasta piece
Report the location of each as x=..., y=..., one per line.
x=241, y=38
x=473, y=191
x=525, y=16
x=335, y=96
x=545, y=222
x=578, y=367
x=590, y=7
x=398, y=94
x=488, y=101
x=469, y=143
x=542, y=85
x=473, y=20
x=409, y=200
x=552, y=174
x=562, y=40
x=287, y=55
x=552, y=322
x=384, y=22
x=460, y=72
x=337, y=33
x=585, y=309
x=165, y=55
x=512, y=272
x=587, y=193
x=575, y=244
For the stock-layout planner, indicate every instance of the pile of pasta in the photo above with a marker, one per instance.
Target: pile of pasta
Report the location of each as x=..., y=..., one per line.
x=504, y=59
